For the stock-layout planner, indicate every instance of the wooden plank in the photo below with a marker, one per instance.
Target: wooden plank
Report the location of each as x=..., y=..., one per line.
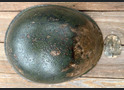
x=15, y=81
x=102, y=6
x=6, y=67
x=2, y=53
x=109, y=22
x=5, y=19
x=106, y=67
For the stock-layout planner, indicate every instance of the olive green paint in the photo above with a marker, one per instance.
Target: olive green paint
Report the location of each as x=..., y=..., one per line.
x=36, y=34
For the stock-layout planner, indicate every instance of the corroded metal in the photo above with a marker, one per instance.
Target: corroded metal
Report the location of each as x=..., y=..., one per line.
x=53, y=44
x=85, y=49
x=112, y=47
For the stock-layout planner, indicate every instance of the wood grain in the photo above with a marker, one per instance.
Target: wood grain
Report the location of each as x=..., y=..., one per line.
x=108, y=73
x=15, y=81
x=5, y=19
x=2, y=53
x=109, y=22
x=106, y=6
x=106, y=67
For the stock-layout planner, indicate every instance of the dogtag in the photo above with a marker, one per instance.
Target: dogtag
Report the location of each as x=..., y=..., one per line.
x=112, y=46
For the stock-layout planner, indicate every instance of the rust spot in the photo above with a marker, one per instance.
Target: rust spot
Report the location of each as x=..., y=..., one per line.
x=55, y=53
x=34, y=40
x=33, y=22
x=15, y=56
x=28, y=36
x=57, y=49
x=71, y=65
x=85, y=48
x=63, y=26
x=76, y=73
x=65, y=69
x=53, y=19
x=48, y=36
x=56, y=30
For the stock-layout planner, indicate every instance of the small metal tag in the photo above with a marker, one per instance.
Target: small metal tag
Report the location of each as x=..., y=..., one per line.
x=112, y=46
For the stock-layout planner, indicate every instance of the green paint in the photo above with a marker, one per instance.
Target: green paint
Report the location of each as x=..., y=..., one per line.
x=33, y=37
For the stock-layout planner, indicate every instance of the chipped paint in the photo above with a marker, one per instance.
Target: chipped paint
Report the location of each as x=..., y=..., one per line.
x=55, y=53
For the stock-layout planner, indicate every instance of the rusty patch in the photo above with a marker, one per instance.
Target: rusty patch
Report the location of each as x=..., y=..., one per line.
x=48, y=36
x=56, y=30
x=71, y=65
x=33, y=22
x=53, y=19
x=63, y=26
x=15, y=56
x=28, y=36
x=88, y=46
x=34, y=40
x=55, y=53
x=65, y=69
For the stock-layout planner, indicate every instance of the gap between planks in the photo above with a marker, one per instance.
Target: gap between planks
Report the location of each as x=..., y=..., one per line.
x=99, y=6
x=107, y=21
x=9, y=80
x=78, y=10
x=78, y=77
x=105, y=68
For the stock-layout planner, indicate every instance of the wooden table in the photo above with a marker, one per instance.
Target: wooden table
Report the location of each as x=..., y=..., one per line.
x=108, y=72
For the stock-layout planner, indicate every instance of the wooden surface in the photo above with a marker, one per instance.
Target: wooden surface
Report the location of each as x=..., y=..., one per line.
x=107, y=73
x=97, y=6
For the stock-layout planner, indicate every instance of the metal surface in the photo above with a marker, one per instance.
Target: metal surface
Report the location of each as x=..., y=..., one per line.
x=112, y=47
x=53, y=44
